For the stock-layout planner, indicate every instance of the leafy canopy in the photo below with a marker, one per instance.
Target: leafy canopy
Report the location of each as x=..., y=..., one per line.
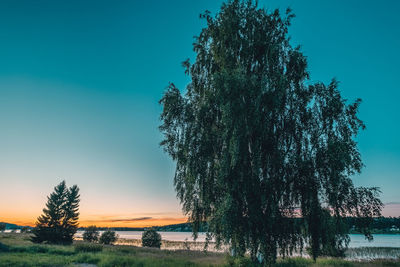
x=150, y=238
x=2, y=227
x=59, y=221
x=91, y=234
x=256, y=144
x=108, y=237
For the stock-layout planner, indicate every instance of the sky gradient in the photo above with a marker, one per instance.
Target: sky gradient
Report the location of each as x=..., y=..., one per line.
x=80, y=83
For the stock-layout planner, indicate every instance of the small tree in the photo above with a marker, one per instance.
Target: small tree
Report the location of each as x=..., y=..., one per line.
x=150, y=238
x=2, y=227
x=59, y=221
x=25, y=229
x=108, y=237
x=91, y=234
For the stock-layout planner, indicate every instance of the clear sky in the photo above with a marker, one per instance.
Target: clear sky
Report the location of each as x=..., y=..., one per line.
x=80, y=83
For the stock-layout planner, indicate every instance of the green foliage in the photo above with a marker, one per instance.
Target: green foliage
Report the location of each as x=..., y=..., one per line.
x=30, y=249
x=59, y=221
x=86, y=258
x=150, y=238
x=256, y=144
x=239, y=261
x=91, y=234
x=41, y=249
x=88, y=247
x=22, y=253
x=120, y=261
x=3, y=248
x=108, y=237
x=26, y=229
x=125, y=250
x=2, y=227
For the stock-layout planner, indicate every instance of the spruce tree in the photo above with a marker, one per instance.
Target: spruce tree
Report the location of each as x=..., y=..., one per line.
x=59, y=221
x=71, y=213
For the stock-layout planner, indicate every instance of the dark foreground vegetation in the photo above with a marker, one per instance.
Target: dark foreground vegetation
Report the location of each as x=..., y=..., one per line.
x=18, y=250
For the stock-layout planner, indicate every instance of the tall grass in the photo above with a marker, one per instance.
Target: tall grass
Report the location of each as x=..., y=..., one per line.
x=88, y=247
x=371, y=253
x=15, y=251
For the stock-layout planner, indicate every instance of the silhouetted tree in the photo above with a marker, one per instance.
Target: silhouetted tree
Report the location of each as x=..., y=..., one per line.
x=91, y=234
x=71, y=213
x=2, y=227
x=59, y=221
x=256, y=145
x=108, y=237
x=26, y=229
x=150, y=238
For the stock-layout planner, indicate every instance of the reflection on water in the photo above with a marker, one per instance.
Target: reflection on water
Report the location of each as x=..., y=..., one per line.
x=169, y=236
x=380, y=240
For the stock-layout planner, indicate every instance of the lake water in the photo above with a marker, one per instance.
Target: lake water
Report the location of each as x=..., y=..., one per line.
x=380, y=240
x=356, y=240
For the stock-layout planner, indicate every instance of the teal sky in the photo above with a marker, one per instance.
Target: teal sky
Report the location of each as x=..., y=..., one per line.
x=80, y=83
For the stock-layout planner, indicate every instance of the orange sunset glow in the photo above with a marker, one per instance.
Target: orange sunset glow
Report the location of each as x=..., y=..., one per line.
x=95, y=209
x=105, y=221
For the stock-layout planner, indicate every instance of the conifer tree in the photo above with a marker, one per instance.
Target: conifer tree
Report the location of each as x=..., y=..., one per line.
x=71, y=212
x=59, y=221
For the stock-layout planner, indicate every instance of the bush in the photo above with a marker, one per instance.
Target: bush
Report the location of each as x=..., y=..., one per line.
x=26, y=229
x=91, y=234
x=2, y=227
x=108, y=237
x=150, y=238
x=88, y=247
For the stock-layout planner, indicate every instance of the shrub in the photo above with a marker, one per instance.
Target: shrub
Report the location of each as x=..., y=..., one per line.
x=150, y=238
x=26, y=229
x=91, y=234
x=2, y=227
x=88, y=247
x=108, y=237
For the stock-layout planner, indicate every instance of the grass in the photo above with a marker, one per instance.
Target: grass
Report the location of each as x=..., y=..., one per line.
x=373, y=252
x=17, y=250
x=88, y=247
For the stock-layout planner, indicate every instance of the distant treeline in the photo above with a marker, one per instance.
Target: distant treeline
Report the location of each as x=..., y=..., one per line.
x=182, y=227
x=382, y=225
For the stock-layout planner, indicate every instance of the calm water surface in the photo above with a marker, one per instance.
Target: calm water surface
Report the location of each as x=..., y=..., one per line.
x=356, y=240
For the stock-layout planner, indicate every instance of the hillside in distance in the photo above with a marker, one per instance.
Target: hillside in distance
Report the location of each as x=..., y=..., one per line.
x=382, y=225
